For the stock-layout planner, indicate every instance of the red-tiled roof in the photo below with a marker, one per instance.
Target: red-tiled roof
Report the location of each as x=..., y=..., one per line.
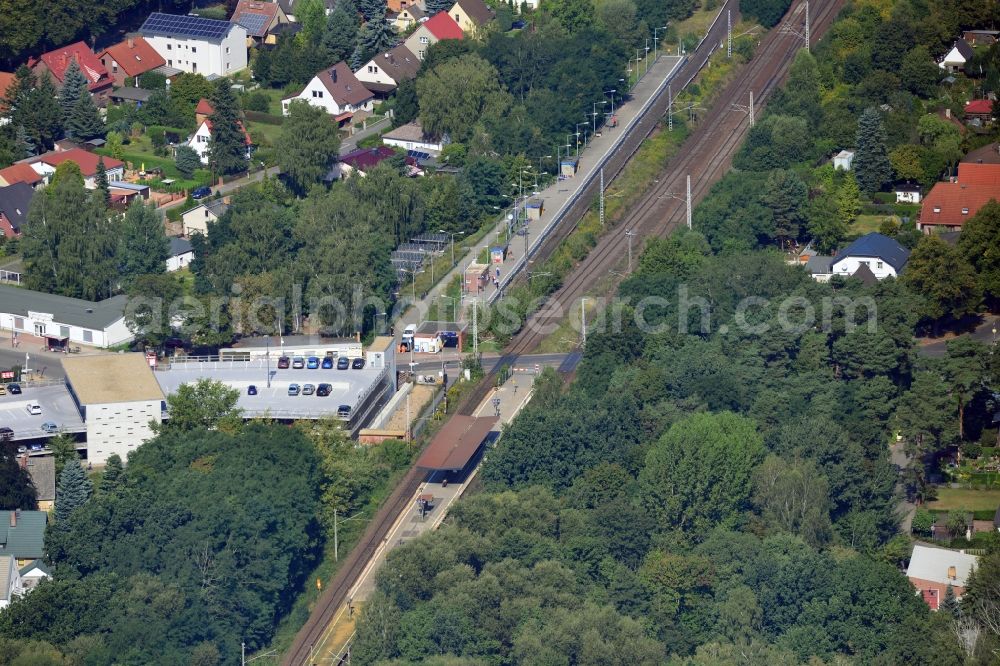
x=443, y=26
x=134, y=55
x=366, y=158
x=254, y=7
x=979, y=106
x=86, y=161
x=58, y=60
x=945, y=203
x=20, y=173
x=973, y=173
x=204, y=107
x=6, y=79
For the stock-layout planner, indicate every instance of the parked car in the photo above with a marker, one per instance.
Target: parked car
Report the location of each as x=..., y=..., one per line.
x=298, y=363
x=323, y=390
x=343, y=363
x=358, y=364
x=251, y=390
x=344, y=411
x=327, y=362
x=15, y=389
x=201, y=192
x=34, y=408
x=6, y=434
x=36, y=447
x=293, y=389
x=22, y=449
x=284, y=362
x=312, y=363
x=3, y=390
x=50, y=427
x=308, y=389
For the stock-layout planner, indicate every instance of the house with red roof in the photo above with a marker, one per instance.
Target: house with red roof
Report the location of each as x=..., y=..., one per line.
x=949, y=204
x=20, y=173
x=337, y=91
x=200, y=139
x=364, y=159
x=260, y=19
x=99, y=82
x=981, y=110
x=438, y=27
x=129, y=59
x=46, y=164
x=6, y=81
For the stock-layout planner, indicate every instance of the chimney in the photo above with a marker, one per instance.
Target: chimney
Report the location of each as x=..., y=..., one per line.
x=952, y=573
x=13, y=518
x=131, y=42
x=333, y=74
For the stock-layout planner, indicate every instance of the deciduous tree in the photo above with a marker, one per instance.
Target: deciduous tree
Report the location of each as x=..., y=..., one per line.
x=204, y=404
x=308, y=145
x=457, y=94
x=938, y=272
x=143, y=247
x=979, y=244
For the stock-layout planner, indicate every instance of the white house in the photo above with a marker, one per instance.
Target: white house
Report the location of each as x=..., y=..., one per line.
x=203, y=136
x=933, y=570
x=197, y=45
x=955, y=59
x=387, y=70
x=882, y=255
x=46, y=163
x=195, y=220
x=907, y=192
x=843, y=160
x=32, y=574
x=10, y=580
x=72, y=320
x=335, y=90
x=118, y=397
x=411, y=137
x=181, y=254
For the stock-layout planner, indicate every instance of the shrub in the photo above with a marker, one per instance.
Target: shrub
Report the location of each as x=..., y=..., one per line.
x=922, y=521
x=186, y=160
x=257, y=101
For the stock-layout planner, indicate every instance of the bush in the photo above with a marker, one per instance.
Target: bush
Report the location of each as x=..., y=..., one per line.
x=152, y=81
x=922, y=521
x=971, y=449
x=187, y=161
x=257, y=101
x=767, y=12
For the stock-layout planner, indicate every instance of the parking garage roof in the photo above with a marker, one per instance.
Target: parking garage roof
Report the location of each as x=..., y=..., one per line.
x=110, y=378
x=457, y=442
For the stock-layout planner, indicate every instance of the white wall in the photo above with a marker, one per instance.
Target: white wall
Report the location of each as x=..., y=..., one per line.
x=201, y=56
x=848, y=265
x=178, y=262
x=907, y=197
x=199, y=142
x=370, y=72
x=196, y=220
x=14, y=589
x=425, y=146
x=315, y=94
x=116, y=333
x=119, y=427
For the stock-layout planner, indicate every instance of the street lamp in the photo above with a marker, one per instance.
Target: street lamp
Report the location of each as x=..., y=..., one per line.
x=594, y=114
x=612, y=93
x=645, y=56
x=452, y=234
x=540, y=158
x=656, y=37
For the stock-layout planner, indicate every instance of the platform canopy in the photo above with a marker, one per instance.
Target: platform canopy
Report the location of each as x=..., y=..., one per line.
x=457, y=442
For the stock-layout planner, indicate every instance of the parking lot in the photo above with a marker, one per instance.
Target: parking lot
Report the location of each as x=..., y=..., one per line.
x=57, y=406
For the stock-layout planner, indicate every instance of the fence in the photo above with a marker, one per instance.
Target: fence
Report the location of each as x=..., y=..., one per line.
x=10, y=276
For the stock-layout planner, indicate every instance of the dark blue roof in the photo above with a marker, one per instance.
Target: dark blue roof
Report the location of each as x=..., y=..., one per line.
x=877, y=245
x=173, y=25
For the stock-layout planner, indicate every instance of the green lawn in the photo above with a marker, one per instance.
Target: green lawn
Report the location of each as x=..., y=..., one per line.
x=868, y=223
x=965, y=498
x=264, y=134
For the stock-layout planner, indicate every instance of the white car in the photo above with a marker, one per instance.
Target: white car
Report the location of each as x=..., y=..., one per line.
x=34, y=409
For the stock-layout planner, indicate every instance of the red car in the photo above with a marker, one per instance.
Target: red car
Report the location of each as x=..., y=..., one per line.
x=284, y=362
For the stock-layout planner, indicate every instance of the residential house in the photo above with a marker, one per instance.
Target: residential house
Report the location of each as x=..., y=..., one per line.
x=197, y=45
x=438, y=27
x=882, y=255
x=470, y=15
x=95, y=323
x=988, y=154
x=954, y=60
x=408, y=16
x=335, y=90
x=843, y=160
x=22, y=535
x=195, y=220
x=907, y=192
x=363, y=159
x=396, y=6
x=203, y=135
x=383, y=73
x=6, y=81
x=99, y=82
x=933, y=570
x=411, y=137
x=202, y=111
x=181, y=254
x=123, y=193
x=21, y=173
x=949, y=204
x=15, y=200
x=981, y=37
x=130, y=58
x=10, y=580
x=980, y=110
x=259, y=19
x=32, y=574
x=129, y=95
x=47, y=163
x=42, y=470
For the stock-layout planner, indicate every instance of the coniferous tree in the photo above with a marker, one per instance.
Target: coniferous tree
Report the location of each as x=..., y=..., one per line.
x=227, y=147
x=374, y=10
x=73, y=490
x=32, y=105
x=949, y=605
x=73, y=90
x=375, y=35
x=144, y=246
x=16, y=491
x=186, y=160
x=435, y=6
x=871, y=159
x=23, y=146
x=112, y=476
x=341, y=31
x=103, y=190
x=84, y=122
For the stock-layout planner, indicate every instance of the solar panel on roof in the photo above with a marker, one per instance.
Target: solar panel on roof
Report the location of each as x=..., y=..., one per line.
x=185, y=26
x=254, y=23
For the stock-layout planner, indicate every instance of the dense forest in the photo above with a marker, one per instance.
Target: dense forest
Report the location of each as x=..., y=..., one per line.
x=716, y=486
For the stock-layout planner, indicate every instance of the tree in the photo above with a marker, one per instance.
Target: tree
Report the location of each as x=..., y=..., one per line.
x=73, y=90
x=227, y=149
x=84, y=122
x=312, y=15
x=112, y=476
x=16, y=490
x=63, y=447
x=458, y=93
x=33, y=106
x=786, y=195
x=375, y=36
x=373, y=10
x=153, y=302
x=793, y=497
x=73, y=489
x=871, y=162
x=187, y=160
x=906, y=162
x=103, y=189
x=435, y=6
x=115, y=145
x=341, y=33
x=204, y=404
x=979, y=244
x=919, y=73
x=922, y=522
x=938, y=272
x=965, y=371
x=308, y=145
x=925, y=418
x=144, y=247
x=825, y=224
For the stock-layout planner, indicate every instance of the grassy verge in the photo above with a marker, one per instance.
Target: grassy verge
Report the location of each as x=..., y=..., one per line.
x=966, y=499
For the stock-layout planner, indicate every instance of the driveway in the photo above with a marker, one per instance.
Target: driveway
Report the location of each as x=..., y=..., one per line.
x=986, y=332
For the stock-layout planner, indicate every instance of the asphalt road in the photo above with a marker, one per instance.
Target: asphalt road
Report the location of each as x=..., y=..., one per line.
x=984, y=333
x=50, y=363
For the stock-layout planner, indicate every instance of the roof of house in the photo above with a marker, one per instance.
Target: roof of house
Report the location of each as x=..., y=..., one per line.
x=64, y=309
x=217, y=207
x=819, y=264
x=408, y=132
x=933, y=564
x=110, y=378
x=477, y=11
x=87, y=161
x=343, y=86
x=974, y=173
x=865, y=274
x=42, y=470
x=416, y=11
x=192, y=27
x=366, y=158
x=134, y=55
x=14, y=203
x=963, y=48
x=945, y=203
x=255, y=16
x=35, y=565
x=179, y=246
x=979, y=106
x=7, y=565
x=131, y=94
x=844, y=153
x=58, y=60
x=399, y=63
x=443, y=26
x=876, y=245
x=906, y=186
x=204, y=107
x=989, y=154
x=246, y=134
x=26, y=538
x=6, y=79
x=20, y=173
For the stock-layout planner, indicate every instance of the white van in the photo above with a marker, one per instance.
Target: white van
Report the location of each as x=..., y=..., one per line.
x=407, y=338
x=34, y=408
